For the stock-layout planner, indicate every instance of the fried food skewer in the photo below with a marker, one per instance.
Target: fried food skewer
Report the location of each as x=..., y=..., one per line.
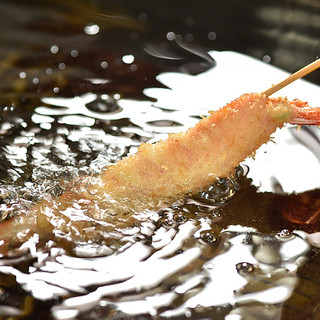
x=190, y=161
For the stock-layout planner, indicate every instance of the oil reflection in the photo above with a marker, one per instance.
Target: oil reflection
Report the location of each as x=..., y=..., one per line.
x=186, y=260
x=244, y=267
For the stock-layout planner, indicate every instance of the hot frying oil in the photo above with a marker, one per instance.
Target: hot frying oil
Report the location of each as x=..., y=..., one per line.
x=73, y=101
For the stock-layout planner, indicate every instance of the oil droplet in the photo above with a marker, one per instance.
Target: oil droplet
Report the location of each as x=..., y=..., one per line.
x=188, y=314
x=104, y=64
x=220, y=191
x=284, y=235
x=133, y=67
x=104, y=105
x=208, y=236
x=74, y=53
x=212, y=35
x=171, y=36
x=244, y=267
x=22, y=75
x=54, y=49
x=266, y=58
x=91, y=29
x=128, y=59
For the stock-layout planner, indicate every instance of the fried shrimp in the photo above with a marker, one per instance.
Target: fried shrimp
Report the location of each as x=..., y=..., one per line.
x=190, y=161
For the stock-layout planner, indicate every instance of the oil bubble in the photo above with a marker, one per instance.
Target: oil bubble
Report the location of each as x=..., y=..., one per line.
x=74, y=53
x=107, y=105
x=208, y=236
x=91, y=29
x=54, y=49
x=171, y=36
x=212, y=35
x=244, y=267
x=128, y=59
x=104, y=64
x=284, y=235
x=22, y=75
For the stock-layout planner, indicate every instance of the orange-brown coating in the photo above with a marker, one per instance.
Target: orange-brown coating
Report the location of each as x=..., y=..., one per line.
x=190, y=161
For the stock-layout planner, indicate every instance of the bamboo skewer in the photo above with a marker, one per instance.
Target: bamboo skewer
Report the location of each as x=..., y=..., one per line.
x=295, y=76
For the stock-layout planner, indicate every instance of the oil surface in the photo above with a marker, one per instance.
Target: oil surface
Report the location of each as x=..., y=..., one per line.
x=73, y=101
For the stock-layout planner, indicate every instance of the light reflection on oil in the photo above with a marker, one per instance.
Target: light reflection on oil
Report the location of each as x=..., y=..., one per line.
x=150, y=267
x=171, y=263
